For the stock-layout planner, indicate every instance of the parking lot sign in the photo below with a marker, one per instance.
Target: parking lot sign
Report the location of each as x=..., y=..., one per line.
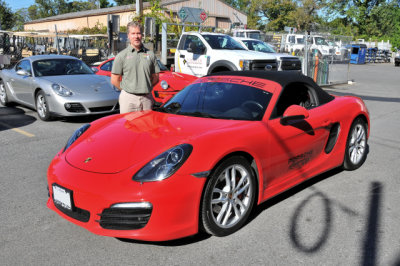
x=190, y=14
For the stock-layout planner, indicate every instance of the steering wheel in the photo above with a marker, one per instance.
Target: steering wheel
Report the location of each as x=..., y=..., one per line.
x=72, y=71
x=251, y=104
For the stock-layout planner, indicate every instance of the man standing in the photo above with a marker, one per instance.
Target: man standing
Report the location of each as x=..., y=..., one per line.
x=139, y=70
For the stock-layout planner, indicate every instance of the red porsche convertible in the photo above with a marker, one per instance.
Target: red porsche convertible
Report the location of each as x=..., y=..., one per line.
x=170, y=82
x=203, y=160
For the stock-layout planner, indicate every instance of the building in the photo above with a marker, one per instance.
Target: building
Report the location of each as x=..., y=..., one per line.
x=220, y=15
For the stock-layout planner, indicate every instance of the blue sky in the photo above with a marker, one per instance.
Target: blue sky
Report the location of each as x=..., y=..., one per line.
x=17, y=4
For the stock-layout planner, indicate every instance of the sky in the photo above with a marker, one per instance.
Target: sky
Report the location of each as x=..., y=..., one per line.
x=17, y=4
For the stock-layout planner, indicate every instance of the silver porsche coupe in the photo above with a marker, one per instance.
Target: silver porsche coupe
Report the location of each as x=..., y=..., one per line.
x=57, y=85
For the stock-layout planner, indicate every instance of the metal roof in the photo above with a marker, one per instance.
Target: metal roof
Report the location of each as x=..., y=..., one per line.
x=88, y=13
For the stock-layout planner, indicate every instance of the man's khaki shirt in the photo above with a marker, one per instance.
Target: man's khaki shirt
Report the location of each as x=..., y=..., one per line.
x=136, y=68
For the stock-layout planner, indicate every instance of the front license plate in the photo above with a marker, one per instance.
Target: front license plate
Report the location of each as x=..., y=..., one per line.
x=62, y=197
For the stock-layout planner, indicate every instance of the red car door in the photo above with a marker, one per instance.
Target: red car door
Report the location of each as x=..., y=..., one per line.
x=296, y=148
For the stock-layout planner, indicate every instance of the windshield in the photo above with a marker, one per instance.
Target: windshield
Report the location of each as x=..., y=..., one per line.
x=222, y=42
x=258, y=46
x=320, y=41
x=57, y=67
x=219, y=100
x=300, y=40
x=254, y=35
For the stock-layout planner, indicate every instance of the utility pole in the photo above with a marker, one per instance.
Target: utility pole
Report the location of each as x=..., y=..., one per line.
x=139, y=8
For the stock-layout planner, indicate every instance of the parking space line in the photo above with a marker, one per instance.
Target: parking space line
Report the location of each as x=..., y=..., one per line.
x=17, y=130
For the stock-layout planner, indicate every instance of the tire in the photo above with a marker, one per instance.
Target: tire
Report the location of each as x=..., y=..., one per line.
x=42, y=107
x=3, y=94
x=356, y=145
x=225, y=208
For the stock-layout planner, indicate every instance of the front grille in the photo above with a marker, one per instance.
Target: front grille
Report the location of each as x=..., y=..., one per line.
x=124, y=218
x=77, y=213
x=288, y=63
x=74, y=107
x=264, y=65
x=101, y=109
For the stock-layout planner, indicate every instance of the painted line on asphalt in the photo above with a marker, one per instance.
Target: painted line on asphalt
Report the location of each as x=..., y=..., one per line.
x=20, y=131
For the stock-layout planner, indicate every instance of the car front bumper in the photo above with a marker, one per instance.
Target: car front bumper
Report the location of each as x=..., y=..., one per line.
x=175, y=202
x=81, y=106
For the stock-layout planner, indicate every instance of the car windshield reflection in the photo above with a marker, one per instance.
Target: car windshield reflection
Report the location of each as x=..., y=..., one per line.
x=58, y=67
x=219, y=100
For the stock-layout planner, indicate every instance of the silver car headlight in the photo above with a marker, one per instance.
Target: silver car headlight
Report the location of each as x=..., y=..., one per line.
x=164, y=165
x=76, y=135
x=164, y=84
x=61, y=90
x=245, y=64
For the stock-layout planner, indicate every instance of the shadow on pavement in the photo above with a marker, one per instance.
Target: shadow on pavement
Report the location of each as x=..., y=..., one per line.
x=14, y=117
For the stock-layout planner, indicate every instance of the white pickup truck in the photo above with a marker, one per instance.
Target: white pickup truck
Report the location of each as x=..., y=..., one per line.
x=204, y=53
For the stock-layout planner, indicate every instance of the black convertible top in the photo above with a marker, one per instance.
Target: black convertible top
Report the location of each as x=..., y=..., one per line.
x=284, y=78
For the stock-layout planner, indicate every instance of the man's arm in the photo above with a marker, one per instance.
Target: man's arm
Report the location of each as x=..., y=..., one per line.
x=154, y=79
x=116, y=81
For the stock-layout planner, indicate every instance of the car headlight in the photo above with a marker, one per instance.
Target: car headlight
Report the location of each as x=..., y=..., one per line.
x=245, y=64
x=76, y=135
x=164, y=84
x=164, y=165
x=60, y=90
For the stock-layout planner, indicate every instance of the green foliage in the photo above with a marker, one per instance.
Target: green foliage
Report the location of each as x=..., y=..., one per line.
x=105, y=3
x=98, y=29
x=6, y=16
x=48, y=8
x=124, y=2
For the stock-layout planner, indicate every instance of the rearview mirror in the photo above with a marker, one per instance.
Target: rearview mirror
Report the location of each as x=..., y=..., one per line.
x=294, y=113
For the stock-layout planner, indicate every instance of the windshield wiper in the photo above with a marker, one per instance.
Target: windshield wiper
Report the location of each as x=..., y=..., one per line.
x=171, y=108
x=197, y=114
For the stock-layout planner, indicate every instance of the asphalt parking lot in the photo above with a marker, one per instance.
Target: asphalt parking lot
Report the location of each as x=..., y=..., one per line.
x=338, y=218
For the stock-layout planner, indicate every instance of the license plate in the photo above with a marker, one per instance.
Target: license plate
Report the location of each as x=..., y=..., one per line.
x=62, y=197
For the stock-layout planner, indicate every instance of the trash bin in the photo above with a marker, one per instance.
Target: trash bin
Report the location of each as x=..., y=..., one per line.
x=358, y=52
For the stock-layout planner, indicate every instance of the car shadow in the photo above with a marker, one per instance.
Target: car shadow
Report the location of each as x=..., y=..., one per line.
x=292, y=191
x=171, y=243
x=14, y=117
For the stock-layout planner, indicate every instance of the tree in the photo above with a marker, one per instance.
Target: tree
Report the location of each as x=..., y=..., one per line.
x=48, y=8
x=124, y=2
x=105, y=3
x=6, y=16
x=21, y=16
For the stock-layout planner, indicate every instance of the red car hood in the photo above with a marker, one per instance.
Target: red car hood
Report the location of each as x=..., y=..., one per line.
x=137, y=138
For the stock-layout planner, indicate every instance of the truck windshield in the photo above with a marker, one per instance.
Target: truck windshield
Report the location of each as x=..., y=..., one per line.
x=222, y=42
x=258, y=46
x=320, y=41
x=254, y=35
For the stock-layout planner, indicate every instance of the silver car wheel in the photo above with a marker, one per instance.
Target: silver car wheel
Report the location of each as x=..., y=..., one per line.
x=357, y=145
x=231, y=196
x=41, y=105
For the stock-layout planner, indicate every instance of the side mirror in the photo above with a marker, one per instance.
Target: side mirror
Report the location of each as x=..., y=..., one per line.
x=95, y=70
x=23, y=72
x=294, y=113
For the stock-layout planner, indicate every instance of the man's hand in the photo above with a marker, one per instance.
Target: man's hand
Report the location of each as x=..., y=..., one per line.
x=116, y=81
x=154, y=79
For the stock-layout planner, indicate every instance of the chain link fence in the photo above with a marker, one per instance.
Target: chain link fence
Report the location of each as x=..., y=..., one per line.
x=88, y=48
x=325, y=57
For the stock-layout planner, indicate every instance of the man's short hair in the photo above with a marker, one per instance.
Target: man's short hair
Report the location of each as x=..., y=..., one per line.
x=134, y=24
